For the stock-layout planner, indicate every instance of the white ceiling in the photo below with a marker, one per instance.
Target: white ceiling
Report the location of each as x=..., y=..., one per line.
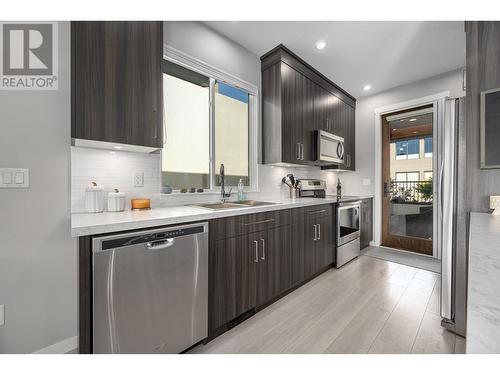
x=380, y=54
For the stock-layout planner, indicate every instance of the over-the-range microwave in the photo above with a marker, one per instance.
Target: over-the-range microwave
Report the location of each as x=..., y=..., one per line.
x=328, y=148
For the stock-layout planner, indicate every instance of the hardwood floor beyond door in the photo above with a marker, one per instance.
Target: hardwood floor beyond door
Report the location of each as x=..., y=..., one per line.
x=368, y=306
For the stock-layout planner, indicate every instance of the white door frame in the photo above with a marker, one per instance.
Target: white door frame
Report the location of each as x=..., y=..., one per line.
x=437, y=100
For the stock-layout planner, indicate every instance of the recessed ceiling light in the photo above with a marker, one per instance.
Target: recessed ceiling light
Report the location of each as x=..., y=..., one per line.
x=402, y=120
x=321, y=44
x=412, y=119
x=366, y=87
x=117, y=147
x=415, y=132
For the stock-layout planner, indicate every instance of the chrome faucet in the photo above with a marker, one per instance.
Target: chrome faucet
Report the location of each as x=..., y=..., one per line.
x=223, y=194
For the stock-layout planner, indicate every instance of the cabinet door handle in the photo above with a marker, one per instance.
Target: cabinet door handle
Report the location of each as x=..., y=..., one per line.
x=155, y=134
x=256, y=260
x=301, y=151
x=263, y=257
x=297, y=151
x=315, y=232
x=319, y=231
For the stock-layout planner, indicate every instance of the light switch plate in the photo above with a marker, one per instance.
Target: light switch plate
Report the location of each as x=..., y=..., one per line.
x=367, y=182
x=13, y=178
x=139, y=179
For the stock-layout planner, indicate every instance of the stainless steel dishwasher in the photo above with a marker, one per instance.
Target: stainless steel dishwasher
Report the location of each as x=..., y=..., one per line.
x=150, y=290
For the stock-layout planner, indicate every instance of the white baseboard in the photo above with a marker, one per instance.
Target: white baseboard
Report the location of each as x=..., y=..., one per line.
x=61, y=347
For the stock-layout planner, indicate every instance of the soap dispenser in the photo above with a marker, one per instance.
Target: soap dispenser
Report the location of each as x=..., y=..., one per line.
x=241, y=192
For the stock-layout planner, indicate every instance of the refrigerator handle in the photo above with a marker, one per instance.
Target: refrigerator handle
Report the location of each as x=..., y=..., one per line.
x=440, y=181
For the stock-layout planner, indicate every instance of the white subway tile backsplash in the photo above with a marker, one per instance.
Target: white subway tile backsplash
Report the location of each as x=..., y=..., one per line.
x=113, y=169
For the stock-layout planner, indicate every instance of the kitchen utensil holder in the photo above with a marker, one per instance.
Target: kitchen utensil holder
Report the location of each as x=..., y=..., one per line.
x=294, y=193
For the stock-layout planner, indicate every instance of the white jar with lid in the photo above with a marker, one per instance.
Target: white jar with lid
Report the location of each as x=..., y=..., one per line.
x=94, y=198
x=116, y=201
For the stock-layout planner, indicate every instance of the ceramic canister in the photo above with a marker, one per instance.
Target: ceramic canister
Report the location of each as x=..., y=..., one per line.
x=94, y=198
x=116, y=201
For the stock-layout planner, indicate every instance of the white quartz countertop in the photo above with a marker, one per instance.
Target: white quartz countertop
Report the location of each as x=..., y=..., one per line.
x=84, y=224
x=483, y=300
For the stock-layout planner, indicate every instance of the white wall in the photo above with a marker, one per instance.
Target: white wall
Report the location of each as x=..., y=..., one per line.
x=365, y=123
x=38, y=276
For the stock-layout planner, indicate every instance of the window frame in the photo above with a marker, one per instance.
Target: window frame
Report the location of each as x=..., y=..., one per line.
x=428, y=155
x=406, y=174
x=214, y=74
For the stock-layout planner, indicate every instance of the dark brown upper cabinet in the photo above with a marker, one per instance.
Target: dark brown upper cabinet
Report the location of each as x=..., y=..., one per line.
x=117, y=82
x=296, y=101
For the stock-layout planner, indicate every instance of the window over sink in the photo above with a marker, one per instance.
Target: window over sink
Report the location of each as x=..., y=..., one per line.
x=209, y=121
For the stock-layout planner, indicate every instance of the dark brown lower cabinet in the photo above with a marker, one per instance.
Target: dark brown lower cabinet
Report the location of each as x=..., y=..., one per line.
x=313, y=244
x=274, y=264
x=246, y=272
x=366, y=222
x=249, y=271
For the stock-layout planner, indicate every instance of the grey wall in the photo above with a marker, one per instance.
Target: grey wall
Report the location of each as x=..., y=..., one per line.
x=202, y=42
x=198, y=40
x=483, y=73
x=37, y=256
x=365, y=123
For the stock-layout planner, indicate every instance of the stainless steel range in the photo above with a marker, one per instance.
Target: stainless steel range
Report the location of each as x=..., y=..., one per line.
x=348, y=233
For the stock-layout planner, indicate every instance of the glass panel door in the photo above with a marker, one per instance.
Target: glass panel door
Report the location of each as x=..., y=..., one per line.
x=407, y=166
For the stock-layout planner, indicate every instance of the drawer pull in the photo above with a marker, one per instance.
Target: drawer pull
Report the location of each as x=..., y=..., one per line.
x=258, y=222
x=316, y=212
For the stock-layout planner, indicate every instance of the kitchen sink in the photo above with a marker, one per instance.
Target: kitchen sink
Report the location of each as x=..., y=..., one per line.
x=231, y=205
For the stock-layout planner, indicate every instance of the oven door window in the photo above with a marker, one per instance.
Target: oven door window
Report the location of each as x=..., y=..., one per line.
x=348, y=221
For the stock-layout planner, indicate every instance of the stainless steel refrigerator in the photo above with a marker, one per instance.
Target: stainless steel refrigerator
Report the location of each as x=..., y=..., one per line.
x=452, y=226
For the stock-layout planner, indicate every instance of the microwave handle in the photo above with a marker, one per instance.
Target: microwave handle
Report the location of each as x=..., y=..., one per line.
x=341, y=153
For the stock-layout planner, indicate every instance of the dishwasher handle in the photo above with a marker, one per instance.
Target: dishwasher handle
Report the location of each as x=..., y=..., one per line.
x=162, y=244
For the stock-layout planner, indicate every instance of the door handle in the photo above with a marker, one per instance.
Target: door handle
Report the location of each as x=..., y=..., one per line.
x=158, y=245
x=263, y=249
x=319, y=232
x=315, y=233
x=301, y=151
x=256, y=260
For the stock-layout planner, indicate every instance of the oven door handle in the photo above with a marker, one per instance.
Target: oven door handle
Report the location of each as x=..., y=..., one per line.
x=343, y=206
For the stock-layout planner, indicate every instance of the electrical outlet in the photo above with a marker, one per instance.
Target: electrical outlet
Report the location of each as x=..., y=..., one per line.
x=139, y=179
x=367, y=182
x=2, y=315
